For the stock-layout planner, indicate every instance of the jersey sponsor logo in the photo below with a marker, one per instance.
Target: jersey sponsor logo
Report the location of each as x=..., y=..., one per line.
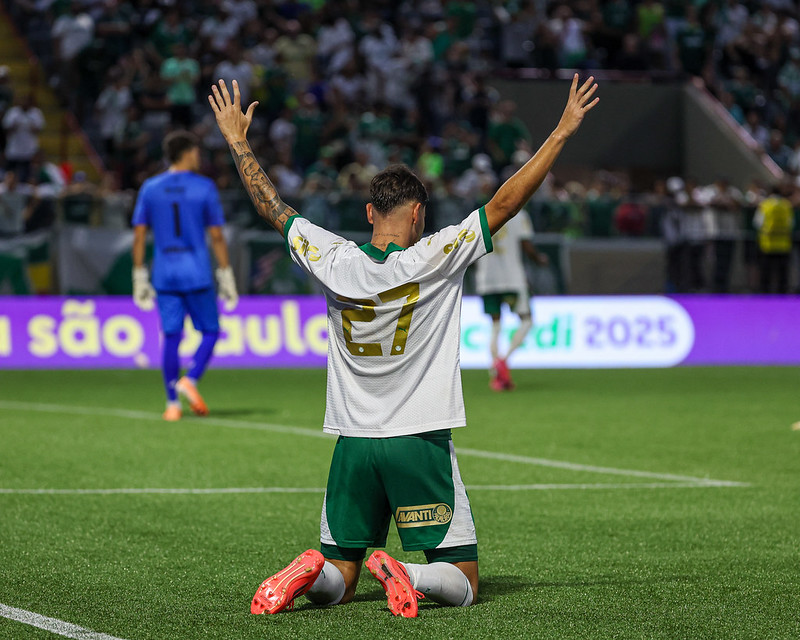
x=423, y=515
x=465, y=235
x=302, y=246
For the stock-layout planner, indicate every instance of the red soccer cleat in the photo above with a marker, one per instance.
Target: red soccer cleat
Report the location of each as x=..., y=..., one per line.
x=188, y=390
x=278, y=592
x=402, y=597
x=503, y=374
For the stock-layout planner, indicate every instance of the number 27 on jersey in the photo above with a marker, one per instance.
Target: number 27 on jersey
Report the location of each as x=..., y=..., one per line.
x=367, y=313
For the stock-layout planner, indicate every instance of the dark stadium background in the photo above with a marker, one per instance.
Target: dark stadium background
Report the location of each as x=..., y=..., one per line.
x=705, y=93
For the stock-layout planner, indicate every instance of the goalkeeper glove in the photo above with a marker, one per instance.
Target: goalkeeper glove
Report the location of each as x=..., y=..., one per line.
x=227, y=288
x=143, y=293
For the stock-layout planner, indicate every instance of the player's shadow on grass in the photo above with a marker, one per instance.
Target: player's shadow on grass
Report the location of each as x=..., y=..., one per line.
x=491, y=587
x=370, y=596
x=241, y=412
x=607, y=581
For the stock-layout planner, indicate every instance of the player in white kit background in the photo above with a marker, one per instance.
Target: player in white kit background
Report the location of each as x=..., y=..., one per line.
x=394, y=382
x=500, y=279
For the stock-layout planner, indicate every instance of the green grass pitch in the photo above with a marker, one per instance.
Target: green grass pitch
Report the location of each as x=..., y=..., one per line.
x=587, y=549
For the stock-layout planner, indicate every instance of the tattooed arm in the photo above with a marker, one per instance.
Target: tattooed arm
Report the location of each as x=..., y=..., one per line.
x=262, y=192
x=233, y=124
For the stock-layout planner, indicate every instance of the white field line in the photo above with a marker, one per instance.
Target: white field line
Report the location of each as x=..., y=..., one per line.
x=571, y=466
x=606, y=485
x=280, y=428
x=53, y=625
x=147, y=415
x=295, y=490
x=156, y=490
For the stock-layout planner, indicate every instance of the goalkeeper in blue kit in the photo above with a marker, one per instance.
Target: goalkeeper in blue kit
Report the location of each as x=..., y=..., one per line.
x=180, y=206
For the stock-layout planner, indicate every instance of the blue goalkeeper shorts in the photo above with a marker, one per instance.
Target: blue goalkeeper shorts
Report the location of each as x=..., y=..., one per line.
x=200, y=305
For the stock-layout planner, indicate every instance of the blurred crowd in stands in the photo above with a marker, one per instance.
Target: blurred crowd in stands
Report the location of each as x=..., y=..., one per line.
x=346, y=87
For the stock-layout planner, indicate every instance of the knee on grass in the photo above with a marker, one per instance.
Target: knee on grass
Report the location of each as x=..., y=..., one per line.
x=443, y=582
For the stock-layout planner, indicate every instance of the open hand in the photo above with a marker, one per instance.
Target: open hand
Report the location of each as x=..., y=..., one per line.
x=577, y=106
x=232, y=122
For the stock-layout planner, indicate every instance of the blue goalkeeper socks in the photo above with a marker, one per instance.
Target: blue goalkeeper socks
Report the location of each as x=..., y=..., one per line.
x=203, y=355
x=170, y=365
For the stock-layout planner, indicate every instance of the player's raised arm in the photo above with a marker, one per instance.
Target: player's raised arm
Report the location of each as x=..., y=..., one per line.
x=519, y=188
x=234, y=123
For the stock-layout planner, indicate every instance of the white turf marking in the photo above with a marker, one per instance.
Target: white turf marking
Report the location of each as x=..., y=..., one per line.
x=571, y=466
x=315, y=433
x=53, y=625
x=147, y=415
x=477, y=487
x=179, y=490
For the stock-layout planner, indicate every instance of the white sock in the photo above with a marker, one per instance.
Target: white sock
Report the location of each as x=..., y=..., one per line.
x=442, y=582
x=495, y=337
x=329, y=587
x=520, y=334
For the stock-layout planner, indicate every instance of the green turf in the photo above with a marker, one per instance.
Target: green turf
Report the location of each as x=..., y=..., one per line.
x=672, y=562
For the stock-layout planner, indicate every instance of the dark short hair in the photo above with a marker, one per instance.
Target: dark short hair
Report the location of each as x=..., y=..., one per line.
x=177, y=143
x=395, y=186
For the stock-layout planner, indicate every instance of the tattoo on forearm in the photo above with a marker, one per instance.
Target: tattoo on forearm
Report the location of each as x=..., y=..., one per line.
x=262, y=192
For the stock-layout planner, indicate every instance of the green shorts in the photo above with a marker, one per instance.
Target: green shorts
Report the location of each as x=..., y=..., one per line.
x=414, y=479
x=517, y=301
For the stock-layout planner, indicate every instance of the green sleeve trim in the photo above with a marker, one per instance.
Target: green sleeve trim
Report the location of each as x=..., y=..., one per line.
x=487, y=237
x=286, y=227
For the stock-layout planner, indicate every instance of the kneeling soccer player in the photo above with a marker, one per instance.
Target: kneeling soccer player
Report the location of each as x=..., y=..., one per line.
x=394, y=383
x=179, y=205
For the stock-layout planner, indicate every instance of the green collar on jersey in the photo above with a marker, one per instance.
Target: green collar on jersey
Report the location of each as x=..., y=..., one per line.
x=373, y=252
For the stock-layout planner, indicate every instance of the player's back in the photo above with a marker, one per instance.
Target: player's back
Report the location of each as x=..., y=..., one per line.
x=178, y=206
x=394, y=326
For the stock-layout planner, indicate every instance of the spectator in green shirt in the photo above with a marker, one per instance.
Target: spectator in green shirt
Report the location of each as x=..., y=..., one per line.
x=308, y=121
x=692, y=43
x=649, y=14
x=464, y=14
x=181, y=74
x=431, y=163
x=506, y=133
x=168, y=32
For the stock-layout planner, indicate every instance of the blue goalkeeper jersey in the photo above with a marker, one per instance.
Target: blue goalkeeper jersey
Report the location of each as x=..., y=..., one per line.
x=178, y=206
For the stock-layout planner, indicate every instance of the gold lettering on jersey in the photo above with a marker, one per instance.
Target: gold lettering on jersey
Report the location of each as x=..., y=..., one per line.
x=423, y=515
x=411, y=292
x=302, y=246
x=464, y=235
x=367, y=313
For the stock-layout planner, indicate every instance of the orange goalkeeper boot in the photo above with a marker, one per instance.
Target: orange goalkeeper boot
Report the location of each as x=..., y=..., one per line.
x=278, y=592
x=401, y=595
x=188, y=390
x=172, y=413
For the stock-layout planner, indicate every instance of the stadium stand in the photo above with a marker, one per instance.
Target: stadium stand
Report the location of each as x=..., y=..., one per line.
x=346, y=87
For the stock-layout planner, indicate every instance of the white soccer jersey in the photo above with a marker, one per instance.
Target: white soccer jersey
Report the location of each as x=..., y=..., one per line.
x=503, y=270
x=394, y=326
